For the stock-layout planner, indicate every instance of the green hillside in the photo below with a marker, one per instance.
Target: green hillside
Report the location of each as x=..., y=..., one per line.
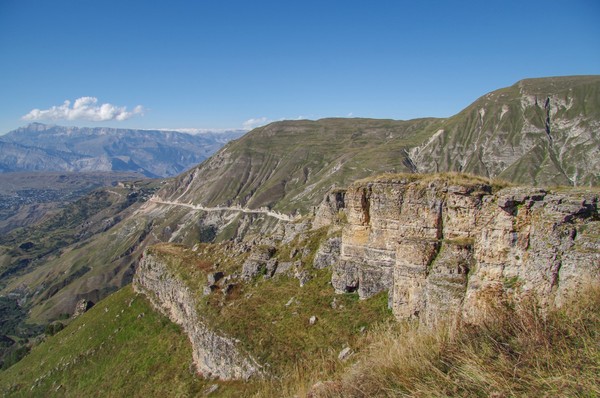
x=537, y=132
x=73, y=243
x=288, y=166
x=120, y=347
x=70, y=256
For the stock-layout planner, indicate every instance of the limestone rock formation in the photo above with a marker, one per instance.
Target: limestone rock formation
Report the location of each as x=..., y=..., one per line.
x=259, y=262
x=442, y=246
x=328, y=253
x=449, y=246
x=214, y=355
x=330, y=209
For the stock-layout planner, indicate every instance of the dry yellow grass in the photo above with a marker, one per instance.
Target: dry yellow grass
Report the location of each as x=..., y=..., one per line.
x=518, y=351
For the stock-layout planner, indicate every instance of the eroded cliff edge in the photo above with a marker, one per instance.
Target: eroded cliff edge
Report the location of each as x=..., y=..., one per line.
x=439, y=245
x=452, y=245
x=214, y=355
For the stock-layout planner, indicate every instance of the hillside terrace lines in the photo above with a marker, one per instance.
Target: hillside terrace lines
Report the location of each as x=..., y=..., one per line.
x=279, y=216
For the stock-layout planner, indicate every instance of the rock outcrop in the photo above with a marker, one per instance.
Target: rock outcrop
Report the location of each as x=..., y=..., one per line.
x=330, y=209
x=451, y=245
x=81, y=307
x=259, y=262
x=328, y=253
x=214, y=355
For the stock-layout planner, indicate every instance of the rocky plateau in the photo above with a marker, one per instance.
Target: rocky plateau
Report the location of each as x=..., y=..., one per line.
x=444, y=247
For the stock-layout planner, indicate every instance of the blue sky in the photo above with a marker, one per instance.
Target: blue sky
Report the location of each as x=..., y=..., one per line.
x=229, y=64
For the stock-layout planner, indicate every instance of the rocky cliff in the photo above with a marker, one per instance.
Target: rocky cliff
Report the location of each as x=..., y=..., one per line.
x=541, y=131
x=454, y=245
x=214, y=355
x=441, y=246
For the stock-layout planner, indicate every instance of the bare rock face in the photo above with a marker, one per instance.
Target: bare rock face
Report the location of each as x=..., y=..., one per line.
x=259, y=261
x=214, y=355
x=445, y=248
x=81, y=307
x=330, y=209
x=328, y=253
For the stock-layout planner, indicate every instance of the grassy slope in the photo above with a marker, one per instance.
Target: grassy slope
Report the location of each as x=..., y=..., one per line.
x=26, y=198
x=95, y=354
x=271, y=316
x=84, y=251
x=109, y=351
x=499, y=136
x=290, y=165
x=516, y=352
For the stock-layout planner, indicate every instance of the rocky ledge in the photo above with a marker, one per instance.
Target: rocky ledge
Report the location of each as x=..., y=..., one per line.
x=214, y=355
x=447, y=246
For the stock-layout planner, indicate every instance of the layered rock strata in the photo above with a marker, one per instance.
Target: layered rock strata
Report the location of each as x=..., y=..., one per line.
x=214, y=355
x=448, y=246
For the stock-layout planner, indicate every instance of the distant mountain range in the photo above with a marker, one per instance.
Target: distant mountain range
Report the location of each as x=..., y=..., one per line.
x=153, y=153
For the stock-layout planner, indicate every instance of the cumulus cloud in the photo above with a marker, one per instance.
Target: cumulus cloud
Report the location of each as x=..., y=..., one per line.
x=255, y=122
x=84, y=108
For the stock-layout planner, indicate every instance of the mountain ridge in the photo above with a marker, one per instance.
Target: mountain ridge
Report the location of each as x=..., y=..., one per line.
x=154, y=153
x=540, y=131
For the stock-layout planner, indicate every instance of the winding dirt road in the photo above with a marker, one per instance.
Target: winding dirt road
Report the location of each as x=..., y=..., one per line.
x=279, y=216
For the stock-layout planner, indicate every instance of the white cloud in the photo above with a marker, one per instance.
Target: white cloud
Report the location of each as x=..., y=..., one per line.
x=84, y=108
x=255, y=122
